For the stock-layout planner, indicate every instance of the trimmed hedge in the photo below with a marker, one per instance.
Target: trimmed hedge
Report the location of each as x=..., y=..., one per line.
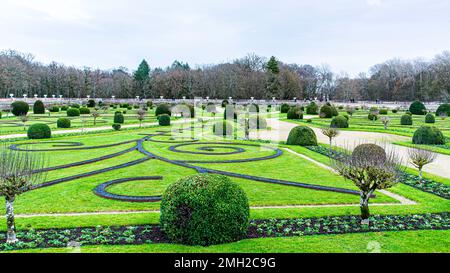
x=223, y=128
x=91, y=103
x=225, y=103
x=326, y=111
x=116, y=126
x=75, y=105
x=372, y=117
x=285, y=108
x=383, y=111
x=204, y=209
x=53, y=109
x=443, y=108
x=39, y=131
x=428, y=135
x=73, y=112
x=303, y=136
x=295, y=113
x=429, y=118
x=312, y=109
x=406, y=120
x=339, y=122
x=19, y=108
x=163, y=109
x=63, y=123
x=85, y=111
x=164, y=120
x=417, y=108
x=38, y=107
x=119, y=118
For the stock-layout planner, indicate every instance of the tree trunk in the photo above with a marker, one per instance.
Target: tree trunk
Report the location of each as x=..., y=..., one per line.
x=420, y=175
x=364, y=206
x=331, y=146
x=11, y=229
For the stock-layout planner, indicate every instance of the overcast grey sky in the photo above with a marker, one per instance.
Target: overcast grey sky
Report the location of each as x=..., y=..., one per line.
x=349, y=35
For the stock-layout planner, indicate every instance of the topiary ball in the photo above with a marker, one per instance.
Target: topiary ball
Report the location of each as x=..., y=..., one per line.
x=75, y=105
x=443, y=109
x=164, y=120
x=38, y=107
x=326, y=111
x=417, y=108
x=63, y=123
x=116, y=126
x=406, y=120
x=429, y=118
x=39, y=131
x=383, y=111
x=428, y=135
x=295, y=113
x=91, y=103
x=85, y=111
x=225, y=103
x=54, y=109
x=369, y=154
x=163, y=109
x=339, y=122
x=312, y=109
x=119, y=118
x=19, y=108
x=303, y=136
x=73, y=112
x=223, y=128
x=284, y=108
x=204, y=209
x=372, y=117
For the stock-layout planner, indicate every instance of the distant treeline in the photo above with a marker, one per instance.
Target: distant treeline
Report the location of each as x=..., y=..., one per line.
x=251, y=76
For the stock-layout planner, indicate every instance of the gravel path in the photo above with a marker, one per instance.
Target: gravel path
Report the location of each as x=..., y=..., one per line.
x=280, y=131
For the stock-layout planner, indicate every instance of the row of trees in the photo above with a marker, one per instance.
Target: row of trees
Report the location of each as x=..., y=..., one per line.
x=251, y=76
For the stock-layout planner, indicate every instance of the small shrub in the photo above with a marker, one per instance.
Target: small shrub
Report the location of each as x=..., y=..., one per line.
x=443, y=109
x=371, y=152
x=162, y=109
x=54, y=109
x=417, y=108
x=312, y=109
x=91, y=103
x=73, y=112
x=85, y=111
x=295, y=113
x=38, y=107
x=19, y=108
x=326, y=111
x=164, y=120
x=39, y=131
x=406, y=120
x=63, y=123
x=372, y=117
x=428, y=135
x=64, y=108
x=75, y=105
x=119, y=118
x=383, y=111
x=429, y=118
x=284, y=108
x=394, y=111
x=225, y=103
x=303, y=136
x=309, y=120
x=339, y=122
x=222, y=128
x=116, y=126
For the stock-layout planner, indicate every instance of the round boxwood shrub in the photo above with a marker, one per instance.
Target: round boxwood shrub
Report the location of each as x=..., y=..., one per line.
x=38, y=107
x=312, y=109
x=408, y=113
x=443, y=109
x=383, y=111
x=406, y=120
x=164, y=120
x=394, y=111
x=417, y=108
x=39, y=131
x=223, y=128
x=429, y=135
x=116, y=126
x=19, y=108
x=225, y=103
x=429, y=118
x=295, y=113
x=369, y=153
x=64, y=108
x=326, y=111
x=162, y=109
x=204, y=209
x=372, y=117
x=63, y=123
x=257, y=123
x=75, y=105
x=73, y=112
x=334, y=111
x=118, y=118
x=339, y=122
x=303, y=136
x=85, y=111
x=284, y=108
x=91, y=103
x=54, y=109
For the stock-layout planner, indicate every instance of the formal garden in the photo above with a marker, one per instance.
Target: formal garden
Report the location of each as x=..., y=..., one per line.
x=160, y=177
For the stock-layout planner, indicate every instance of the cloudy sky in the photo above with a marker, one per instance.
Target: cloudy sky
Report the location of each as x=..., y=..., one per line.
x=349, y=35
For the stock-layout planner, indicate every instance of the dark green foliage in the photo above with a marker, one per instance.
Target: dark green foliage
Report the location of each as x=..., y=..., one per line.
x=295, y=113
x=406, y=120
x=64, y=108
x=373, y=109
x=124, y=105
x=73, y=112
x=417, y=108
x=408, y=113
x=334, y=111
x=142, y=73
x=429, y=135
x=19, y=108
x=75, y=105
x=326, y=111
x=443, y=109
x=372, y=117
x=285, y=108
x=230, y=113
x=85, y=111
x=119, y=118
x=91, y=103
x=116, y=126
x=149, y=104
x=429, y=118
x=162, y=109
x=303, y=136
x=346, y=116
x=164, y=120
x=339, y=122
x=54, y=109
x=39, y=131
x=272, y=65
x=383, y=111
x=223, y=128
x=394, y=111
x=63, y=123
x=225, y=103
x=204, y=209
x=38, y=107
x=312, y=109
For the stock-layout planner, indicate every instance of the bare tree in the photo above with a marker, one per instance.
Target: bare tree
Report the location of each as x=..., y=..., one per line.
x=385, y=121
x=95, y=114
x=330, y=133
x=141, y=116
x=370, y=168
x=19, y=171
x=419, y=158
